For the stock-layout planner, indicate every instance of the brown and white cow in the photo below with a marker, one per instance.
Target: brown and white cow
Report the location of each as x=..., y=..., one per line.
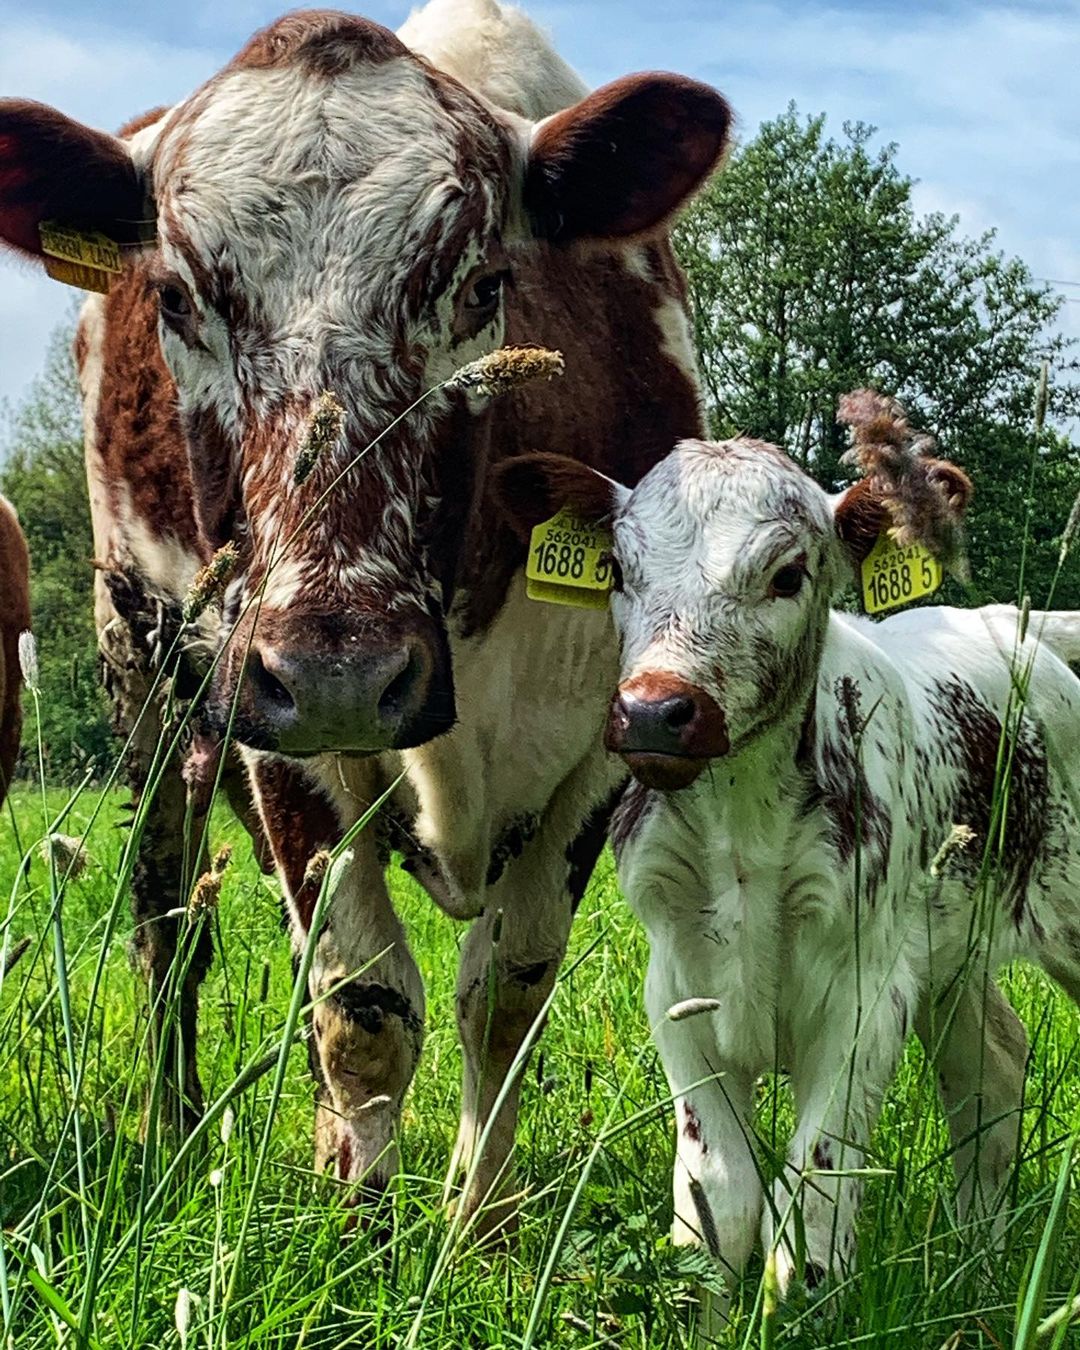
x=14, y=619
x=334, y=212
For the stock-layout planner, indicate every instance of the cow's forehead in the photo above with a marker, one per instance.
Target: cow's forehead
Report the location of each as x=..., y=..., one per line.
x=721, y=499
x=352, y=128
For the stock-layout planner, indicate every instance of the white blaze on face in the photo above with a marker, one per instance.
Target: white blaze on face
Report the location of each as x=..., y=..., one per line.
x=710, y=542
x=328, y=234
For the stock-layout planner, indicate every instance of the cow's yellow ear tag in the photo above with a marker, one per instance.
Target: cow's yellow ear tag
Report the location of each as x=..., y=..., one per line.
x=81, y=258
x=569, y=562
x=893, y=575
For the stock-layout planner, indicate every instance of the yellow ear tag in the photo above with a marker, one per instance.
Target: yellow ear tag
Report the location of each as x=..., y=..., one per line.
x=893, y=575
x=568, y=562
x=79, y=257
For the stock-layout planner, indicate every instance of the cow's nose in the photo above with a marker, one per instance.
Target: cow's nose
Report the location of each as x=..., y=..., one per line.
x=653, y=725
x=305, y=700
x=665, y=728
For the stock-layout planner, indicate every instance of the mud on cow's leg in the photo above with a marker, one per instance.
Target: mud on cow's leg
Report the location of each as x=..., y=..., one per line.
x=367, y=1022
x=503, y=985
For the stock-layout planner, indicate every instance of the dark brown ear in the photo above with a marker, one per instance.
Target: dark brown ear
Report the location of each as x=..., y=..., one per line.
x=622, y=161
x=532, y=488
x=860, y=516
x=55, y=169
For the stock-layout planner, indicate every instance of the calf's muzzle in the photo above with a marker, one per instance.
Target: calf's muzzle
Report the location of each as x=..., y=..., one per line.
x=321, y=684
x=666, y=729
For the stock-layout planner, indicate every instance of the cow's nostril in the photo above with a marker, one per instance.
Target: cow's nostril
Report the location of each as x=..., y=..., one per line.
x=679, y=712
x=266, y=684
x=395, y=697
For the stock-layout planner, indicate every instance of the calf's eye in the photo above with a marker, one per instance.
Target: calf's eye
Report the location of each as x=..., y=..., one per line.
x=610, y=561
x=787, y=582
x=176, y=309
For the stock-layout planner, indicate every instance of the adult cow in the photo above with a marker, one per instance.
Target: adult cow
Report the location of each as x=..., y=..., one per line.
x=336, y=212
x=14, y=619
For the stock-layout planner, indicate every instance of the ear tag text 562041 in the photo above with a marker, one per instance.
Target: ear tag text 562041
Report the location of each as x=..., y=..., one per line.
x=894, y=575
x=569, y=562
x=79, y=257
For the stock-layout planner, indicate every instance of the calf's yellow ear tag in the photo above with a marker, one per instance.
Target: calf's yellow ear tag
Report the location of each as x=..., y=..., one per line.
x=79, y=257
x=569, y=562
x=894, y=575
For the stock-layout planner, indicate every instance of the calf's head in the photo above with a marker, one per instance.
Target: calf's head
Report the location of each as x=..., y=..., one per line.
x=332, y=215
x=727, y=557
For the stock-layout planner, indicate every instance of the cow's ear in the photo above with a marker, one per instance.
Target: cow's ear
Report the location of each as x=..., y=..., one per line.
x=621, y=162
x=56, y=169
x=918, y=498
x=532, y=488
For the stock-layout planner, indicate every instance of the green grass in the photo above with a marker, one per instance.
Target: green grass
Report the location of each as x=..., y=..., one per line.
x=100, y=1235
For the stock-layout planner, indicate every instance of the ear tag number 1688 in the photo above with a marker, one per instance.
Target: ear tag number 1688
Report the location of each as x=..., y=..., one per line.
x=568, y=562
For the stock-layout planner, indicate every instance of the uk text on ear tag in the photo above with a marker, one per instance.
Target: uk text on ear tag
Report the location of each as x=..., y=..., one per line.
x=893, y=575
x=568, y=562
x=79, y=257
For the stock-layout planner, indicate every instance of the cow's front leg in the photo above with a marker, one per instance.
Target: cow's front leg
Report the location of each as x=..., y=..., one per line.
x=839, y=1076
x=509, y=964
x=717, y=1183
x=368, y=1015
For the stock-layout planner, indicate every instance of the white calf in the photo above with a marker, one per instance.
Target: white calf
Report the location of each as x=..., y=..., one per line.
x=799, y=771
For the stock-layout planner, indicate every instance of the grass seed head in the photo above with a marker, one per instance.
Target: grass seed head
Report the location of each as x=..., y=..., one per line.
x=28, y=661
x=205, y=896
x=959, y=837
x=317, y=867
x=66, y=851
x=505, y=369
x=210, y=581
x=325, y=423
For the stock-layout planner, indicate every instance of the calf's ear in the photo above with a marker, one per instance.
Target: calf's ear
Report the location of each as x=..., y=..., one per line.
x=621, y=162
x=55, y=169
x=905, y=489
x=532, y=488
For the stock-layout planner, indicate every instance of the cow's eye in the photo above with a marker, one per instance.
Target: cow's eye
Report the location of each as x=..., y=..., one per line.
x=484, y=294
x=787, y=582
x=176, y=309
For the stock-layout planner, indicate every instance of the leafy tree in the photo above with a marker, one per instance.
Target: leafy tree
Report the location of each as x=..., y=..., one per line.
x=811, y=274
x=45, y=478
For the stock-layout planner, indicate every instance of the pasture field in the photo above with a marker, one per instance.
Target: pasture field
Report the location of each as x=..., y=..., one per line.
x=108, y=1243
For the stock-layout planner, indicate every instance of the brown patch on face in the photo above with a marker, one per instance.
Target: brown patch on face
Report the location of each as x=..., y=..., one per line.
x=665, y=729
x=14, y=619
x=213, y=457
x=138, y=431
x=299, y=821
x=324, y=40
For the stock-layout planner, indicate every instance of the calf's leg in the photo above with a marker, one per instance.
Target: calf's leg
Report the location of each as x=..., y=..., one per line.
x=978, y=1047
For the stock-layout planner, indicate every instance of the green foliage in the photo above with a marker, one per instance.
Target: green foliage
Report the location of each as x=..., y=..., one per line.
x=810, y=275
x=45, y=478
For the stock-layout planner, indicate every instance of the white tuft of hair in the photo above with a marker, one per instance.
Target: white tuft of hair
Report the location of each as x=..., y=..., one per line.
x=496, y=51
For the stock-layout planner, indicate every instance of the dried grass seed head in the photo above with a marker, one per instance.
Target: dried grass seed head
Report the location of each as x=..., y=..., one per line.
x=506, y=369
x=924, y=497
x=210, y=581
x=326, y=422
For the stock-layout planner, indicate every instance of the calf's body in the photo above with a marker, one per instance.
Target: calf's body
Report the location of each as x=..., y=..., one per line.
x=820, y=841
x=14, y=619
x=792, y=883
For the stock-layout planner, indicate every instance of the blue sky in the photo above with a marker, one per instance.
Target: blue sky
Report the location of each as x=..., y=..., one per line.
x=981, y=98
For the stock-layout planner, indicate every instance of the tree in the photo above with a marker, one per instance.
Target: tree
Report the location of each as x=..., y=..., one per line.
x=810, y=274
x=45, y=478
